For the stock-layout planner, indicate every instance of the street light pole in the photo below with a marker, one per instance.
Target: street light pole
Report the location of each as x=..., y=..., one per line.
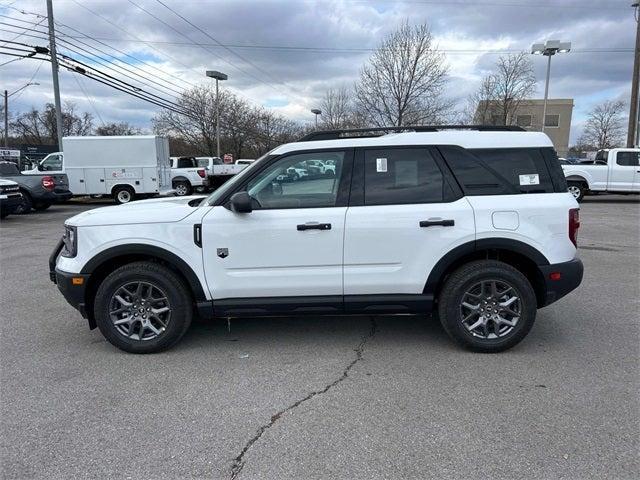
x=219, y=76
x=546, y=93
x=549, y=49
x=316, y=112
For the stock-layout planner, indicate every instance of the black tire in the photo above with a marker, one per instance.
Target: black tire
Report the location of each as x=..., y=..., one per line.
x=40, y=206
x=26, y=205
x=123, y=194
x=461, y=281
x=182, y=189
x=171, y=285
x=575, y=187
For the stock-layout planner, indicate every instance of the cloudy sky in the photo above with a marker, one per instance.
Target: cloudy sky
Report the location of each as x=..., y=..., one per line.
x=284, y=54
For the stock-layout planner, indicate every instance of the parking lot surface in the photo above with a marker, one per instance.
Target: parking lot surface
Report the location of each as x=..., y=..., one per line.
x=330, y=397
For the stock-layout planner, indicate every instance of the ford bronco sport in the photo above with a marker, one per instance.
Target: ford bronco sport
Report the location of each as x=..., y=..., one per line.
x=472, y=223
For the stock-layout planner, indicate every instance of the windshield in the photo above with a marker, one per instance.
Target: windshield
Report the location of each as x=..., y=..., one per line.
x=230, y=184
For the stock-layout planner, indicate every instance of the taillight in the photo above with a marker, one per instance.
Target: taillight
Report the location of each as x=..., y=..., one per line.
x=574, y=225
x=201, y=172
x=47, y=183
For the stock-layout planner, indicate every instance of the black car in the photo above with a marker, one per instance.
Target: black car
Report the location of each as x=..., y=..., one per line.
x=10, y=197
x=38, y=191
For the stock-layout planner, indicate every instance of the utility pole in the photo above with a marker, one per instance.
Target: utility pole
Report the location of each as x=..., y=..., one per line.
x=54, y=72
x=634, y=127
x=6, y=118
x=546, y=92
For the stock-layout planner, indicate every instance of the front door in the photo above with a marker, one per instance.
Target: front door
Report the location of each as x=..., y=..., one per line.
x=408, y=218
x=623, y=171
x=291, y=244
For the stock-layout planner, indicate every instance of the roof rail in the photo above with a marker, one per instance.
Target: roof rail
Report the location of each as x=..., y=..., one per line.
x=379, y=131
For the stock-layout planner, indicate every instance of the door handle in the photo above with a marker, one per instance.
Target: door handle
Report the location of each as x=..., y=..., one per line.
x=433, y=223
x=314, y=226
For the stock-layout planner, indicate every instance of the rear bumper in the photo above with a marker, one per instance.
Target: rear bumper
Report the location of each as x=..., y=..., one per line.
x=53, y=197
x=570, y=277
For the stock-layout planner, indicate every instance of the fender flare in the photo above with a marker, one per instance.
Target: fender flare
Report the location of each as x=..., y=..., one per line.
x=465, y=249
x=152, y=251
x=577, y=178
x=180, y=178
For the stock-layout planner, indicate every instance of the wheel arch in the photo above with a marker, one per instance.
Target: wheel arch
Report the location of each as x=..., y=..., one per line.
x=179, y=178
x=519, y=255
x=112, y=258
x=123, y=185
x=578, y=178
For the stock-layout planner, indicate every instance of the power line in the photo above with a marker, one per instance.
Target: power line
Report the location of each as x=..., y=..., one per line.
x=25, y=31
x=125, y=54
x=89, y=99
x=31, y=79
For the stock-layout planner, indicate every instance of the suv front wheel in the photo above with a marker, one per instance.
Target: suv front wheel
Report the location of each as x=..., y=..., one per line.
x=143, y=307
x=487, y=306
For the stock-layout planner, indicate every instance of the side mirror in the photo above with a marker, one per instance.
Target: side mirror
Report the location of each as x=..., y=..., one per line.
x=240, y=202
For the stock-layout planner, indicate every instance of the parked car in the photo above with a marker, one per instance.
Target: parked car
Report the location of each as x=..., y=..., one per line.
x=187, y=176
x=124, y=167
x=10, y=197
x=38, y=191
x=616, y=170
x=474, y=224
x=218, y=172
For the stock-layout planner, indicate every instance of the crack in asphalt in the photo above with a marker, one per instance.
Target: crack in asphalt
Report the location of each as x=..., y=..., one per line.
x=239, y=461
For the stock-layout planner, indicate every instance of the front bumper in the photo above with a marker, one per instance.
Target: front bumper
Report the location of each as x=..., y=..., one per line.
x=9, y=203
x=560, y=279
x=72, y=285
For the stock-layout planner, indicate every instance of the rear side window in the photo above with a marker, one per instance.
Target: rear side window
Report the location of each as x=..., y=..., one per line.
x=7, y=168
x=186, y=162
x=500, y=171
x=397, y=176
x=627, y=159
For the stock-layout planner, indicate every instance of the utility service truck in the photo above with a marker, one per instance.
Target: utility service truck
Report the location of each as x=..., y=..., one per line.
x=125, y=167
x=616, y=170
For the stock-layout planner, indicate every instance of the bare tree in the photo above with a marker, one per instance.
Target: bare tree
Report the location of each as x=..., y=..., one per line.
x=403, y=82
x=604, y=127
x=40, y=128
x=502, y=92
x=119, y=128
x=245, y=130
x=337, y=109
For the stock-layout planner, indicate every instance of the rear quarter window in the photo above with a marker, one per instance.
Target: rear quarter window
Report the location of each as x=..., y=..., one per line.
x=502, y=171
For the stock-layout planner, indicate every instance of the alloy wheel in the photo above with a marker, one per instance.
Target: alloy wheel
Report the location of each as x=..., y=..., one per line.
x=490, y=309
x=140, y=310
x=124, y=196
x=181, y=189
x=575, y=191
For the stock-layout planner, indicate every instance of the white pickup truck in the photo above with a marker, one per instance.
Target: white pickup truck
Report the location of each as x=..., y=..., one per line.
x=219, y=172
x=616, y=170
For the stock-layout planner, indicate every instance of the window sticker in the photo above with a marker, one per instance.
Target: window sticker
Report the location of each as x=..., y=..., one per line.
x=381, y=164
x=530, y=179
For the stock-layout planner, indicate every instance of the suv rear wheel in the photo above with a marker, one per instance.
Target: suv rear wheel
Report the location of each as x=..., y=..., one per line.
x=487, y=306
x=143, y=307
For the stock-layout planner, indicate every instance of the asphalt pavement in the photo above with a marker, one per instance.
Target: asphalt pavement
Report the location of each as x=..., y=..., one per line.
x=331, y=397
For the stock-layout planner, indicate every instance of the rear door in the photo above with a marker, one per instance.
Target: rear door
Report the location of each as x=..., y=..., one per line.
x=404, y=215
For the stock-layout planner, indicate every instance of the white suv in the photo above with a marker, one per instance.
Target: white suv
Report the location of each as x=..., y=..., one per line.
x=475, y=224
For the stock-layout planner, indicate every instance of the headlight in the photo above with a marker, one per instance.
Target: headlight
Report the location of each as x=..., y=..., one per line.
x=70, y=239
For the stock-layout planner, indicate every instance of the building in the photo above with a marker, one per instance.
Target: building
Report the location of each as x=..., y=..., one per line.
x=528, y=115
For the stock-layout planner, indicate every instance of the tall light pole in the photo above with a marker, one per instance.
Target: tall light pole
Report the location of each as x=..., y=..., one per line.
x=219, y=76
x=634, y=119
x=549, y=49
x=54, y=72
x=316, y=112
x=6, y=110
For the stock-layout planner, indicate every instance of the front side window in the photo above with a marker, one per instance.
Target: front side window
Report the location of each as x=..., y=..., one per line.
x=628, y=159
x=289, y=183
x=396, y=176
x=186, y=162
